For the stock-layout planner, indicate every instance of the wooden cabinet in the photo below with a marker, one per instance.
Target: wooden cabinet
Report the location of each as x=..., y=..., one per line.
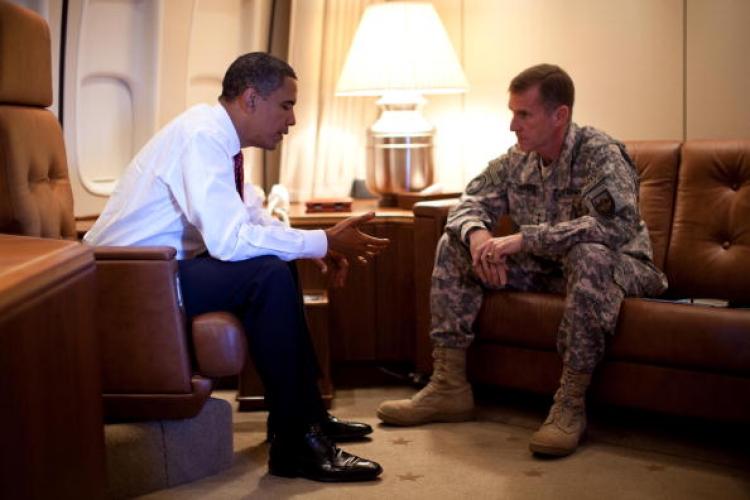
x=371, y=320
x=372, y=317
x=50, y=383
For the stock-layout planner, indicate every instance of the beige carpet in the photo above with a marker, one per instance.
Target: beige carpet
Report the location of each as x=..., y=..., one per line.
x=623, y=458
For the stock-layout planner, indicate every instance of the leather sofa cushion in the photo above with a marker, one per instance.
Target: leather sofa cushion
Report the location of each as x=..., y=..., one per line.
x=657, y=163
x=648, y=332
x=709, y=253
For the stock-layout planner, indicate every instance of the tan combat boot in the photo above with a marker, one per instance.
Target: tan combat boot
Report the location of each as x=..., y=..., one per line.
x=447, y=398
x=560, y=433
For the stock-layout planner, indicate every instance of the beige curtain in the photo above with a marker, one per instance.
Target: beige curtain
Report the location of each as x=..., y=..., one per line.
x=325, y=151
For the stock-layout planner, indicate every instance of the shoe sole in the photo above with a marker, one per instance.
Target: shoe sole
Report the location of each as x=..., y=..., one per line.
x=553, y=451
x=294, y=473
x=556, y=451
x=436, y=418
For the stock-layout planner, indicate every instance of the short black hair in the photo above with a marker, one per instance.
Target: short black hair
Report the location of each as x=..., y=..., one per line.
x=263, y=72
x=555, y=85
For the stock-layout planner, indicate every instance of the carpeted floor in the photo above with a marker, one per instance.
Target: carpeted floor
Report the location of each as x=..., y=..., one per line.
x=626, y=456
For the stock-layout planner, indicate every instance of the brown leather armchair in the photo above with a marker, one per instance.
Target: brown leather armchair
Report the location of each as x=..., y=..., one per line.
x=151, y=367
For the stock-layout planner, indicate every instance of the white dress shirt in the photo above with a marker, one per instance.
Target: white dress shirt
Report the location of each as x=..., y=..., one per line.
x=179, y=191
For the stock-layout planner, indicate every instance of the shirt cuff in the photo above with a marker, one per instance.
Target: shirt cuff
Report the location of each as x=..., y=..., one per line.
x=468, y=228
x=532, y=239
x=316, y=244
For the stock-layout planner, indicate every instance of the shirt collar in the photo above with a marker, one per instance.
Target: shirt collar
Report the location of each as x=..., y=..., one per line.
x=232, y=141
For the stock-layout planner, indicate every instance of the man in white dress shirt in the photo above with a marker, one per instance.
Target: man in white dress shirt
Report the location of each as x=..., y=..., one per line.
x=184, y=190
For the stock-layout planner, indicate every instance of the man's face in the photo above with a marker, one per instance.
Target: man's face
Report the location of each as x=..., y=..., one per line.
x=272, y=115
x=535, y=127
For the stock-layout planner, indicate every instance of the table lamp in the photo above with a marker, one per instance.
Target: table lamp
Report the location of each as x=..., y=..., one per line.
x=400, y=51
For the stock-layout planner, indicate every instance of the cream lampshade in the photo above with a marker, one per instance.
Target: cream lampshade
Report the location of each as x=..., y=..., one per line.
x=400, y=51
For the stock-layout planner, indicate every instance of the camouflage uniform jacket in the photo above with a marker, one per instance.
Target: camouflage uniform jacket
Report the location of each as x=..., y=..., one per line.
x=588, y=195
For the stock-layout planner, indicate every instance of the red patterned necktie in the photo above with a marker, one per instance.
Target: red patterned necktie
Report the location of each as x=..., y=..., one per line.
x=239, y=174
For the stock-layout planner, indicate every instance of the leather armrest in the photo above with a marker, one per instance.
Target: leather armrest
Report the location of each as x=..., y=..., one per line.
x=220, y=344
x=145, y=348
x=134, y=253
x=434, y=208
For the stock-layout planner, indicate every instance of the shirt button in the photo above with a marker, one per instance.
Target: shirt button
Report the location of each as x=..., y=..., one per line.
x=725, y=245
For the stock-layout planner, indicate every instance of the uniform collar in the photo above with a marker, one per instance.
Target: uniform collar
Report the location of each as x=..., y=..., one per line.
x=560, y=173
x=566, y=154
x=563, y=165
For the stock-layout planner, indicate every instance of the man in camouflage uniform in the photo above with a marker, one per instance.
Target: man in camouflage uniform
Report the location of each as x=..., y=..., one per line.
x=572, y=193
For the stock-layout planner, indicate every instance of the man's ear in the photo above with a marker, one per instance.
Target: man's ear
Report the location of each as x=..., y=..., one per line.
x=562, y=114
x=248, y=98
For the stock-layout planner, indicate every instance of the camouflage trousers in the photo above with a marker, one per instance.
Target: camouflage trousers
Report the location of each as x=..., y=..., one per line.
x=593, y=278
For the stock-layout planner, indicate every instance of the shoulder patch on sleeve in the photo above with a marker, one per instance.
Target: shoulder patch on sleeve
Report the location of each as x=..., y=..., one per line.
x=476, y=185
x=491, y=175
x=604, y=203
x=599, y=199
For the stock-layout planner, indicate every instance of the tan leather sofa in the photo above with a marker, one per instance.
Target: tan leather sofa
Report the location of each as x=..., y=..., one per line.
x=152, y=368
x=674, y=355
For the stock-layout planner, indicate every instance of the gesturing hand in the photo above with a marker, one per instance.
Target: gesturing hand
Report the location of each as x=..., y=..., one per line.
x=346, y=238
x=336, y=266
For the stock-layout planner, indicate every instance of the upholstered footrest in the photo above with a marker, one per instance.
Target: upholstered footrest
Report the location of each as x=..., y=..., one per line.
x=148, y=456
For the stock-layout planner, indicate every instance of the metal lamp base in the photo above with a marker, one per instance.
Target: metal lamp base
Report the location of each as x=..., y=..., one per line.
x=400, y=148
x=399, y=163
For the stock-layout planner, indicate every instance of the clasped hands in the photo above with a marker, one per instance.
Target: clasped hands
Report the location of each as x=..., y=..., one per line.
x=345, y=240
x=488, y=255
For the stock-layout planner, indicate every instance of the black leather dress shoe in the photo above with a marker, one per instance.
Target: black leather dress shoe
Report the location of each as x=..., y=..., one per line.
x=334, y=429
x=315, y=457
x=340, y=430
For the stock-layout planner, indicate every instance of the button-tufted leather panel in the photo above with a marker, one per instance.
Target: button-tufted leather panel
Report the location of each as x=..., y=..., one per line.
x=35, y=194
x=709, y=252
